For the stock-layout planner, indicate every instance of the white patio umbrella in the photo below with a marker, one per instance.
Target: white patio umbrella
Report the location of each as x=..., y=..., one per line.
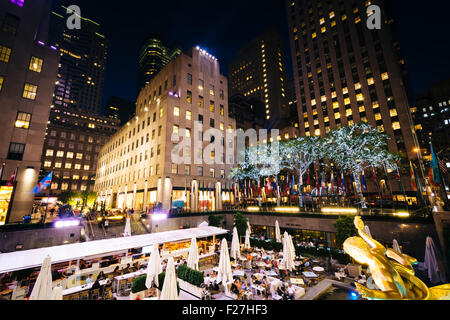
x=235, y=245
x=396, y=246
x=192, y=261
x=432, y=263
x=249, y=227
x=367, y=231
x=225, y=275
x=57, y=293
x=127, y=231
x=288, y=260
x=43, y=287
x=170, y=289
x=154, y=267
x=203, y=224
x=247, y=239
x=291, y=245
x=277, y=232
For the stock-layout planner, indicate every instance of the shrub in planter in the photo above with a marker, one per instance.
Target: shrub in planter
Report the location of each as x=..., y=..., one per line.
x=139, y=284
x=191, y=276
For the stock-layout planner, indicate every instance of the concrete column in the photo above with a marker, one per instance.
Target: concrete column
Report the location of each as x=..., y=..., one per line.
x=218, y=199
x=145, y=196
x=159, y=191
x=118, y=196
x=134, y=197
x=167, y=194
x=194, y=196
x=125, y=201
x=23, y=199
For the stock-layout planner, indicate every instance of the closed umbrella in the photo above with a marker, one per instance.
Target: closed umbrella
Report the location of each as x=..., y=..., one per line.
x=396, y=247
x=225, y=275
x=127, y=231
x=291, y=245
x=43, y=287
x=288, y=260
x=247, y=239
x=57, y=293
x=249, y=227
x=170, y=289
x=277, y=232
x=154, y=267
x=235, y=246
x=192, y=261
x=367, y=231
x=432, y=261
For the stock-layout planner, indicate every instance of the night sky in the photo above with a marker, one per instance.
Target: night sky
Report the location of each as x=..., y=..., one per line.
x=222, y=27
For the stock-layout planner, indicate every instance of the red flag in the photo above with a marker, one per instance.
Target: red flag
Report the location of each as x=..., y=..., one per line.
x=309, y=180
x=413, y=178
x=12, y=179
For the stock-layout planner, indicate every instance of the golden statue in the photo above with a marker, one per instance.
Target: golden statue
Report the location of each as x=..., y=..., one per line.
x=392, y=271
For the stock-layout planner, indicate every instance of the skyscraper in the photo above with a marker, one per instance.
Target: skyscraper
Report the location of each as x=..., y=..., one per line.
x=28, y=67
x=83, y=61
x=153, y=57
x=345, y=73
x=118, y=108
x=187, y=98
x=259, y=72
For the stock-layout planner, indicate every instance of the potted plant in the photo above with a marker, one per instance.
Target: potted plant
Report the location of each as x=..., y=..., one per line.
x=190, y=280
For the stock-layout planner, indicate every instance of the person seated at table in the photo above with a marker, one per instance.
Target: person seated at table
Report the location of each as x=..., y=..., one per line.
x=117, y=272
x=89, y=279
x=101, y=276
x=281, y=290
x=256, y=280
x=290, y=292
x=126, y=269
x=236, y=289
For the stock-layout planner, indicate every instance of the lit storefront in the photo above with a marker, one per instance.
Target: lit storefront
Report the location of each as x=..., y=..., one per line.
x=5, y=198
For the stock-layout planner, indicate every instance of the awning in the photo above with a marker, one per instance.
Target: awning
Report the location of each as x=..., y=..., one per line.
x=21, y=260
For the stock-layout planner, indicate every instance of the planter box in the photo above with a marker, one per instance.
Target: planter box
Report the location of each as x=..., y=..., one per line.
x=143, y=294
x=354, y=270
x=191, y=289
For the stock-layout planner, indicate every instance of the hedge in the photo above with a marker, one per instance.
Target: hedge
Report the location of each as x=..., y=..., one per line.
x=191, y=276
x=139, y=283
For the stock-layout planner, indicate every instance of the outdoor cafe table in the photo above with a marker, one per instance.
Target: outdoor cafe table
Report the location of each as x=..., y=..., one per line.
x=82, y=288
x=318, y=269
x=271, y=273
x=238, y=273
x=310, y=275
x=297, y=281
x=126, y=277
x=261, y=264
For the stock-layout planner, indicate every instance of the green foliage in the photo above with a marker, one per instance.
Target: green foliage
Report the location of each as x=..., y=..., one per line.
x=191, y=276
x=139, y=284
x=345, y=229
x=66, y=196
x=215, y=220
x=240, y=223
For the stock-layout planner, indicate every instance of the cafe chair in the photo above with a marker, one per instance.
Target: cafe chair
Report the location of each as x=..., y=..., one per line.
x=95, y=294
x=84, y=295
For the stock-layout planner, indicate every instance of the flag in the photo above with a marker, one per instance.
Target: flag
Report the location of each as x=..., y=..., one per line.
x=364, y=181
x=436, y=180
x=12, y=179
x=308, y=182
x=45, y=183
x=343, y=182
x=293, y=185
x=374, y=176
x=413, y=178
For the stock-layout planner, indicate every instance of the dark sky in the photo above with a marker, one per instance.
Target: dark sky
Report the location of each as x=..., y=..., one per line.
x=222, y=27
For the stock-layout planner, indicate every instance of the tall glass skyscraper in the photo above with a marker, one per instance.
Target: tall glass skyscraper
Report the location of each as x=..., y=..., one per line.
x=153, y=57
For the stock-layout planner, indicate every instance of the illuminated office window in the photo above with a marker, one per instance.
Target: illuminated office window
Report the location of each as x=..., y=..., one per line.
x=5, y=54
x=23, y=120
x=29, y=91
x=36, y=64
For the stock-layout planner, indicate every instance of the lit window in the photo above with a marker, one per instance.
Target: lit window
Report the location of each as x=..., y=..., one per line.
x=87, y=167
x=188, y=115
x=36, y=64
x=47, y=164
x=385, y=76
x=68, y=166
x=211, y=106
x=393, y=113
x=60, y=154
x=212, y=172
x=79, y=156
x=23, y=120
x=58, y=165
x=211, y=90
x=69, y=155
x=189, y=97
x=49, y=153
x=29, y=91
x=75, y=177
x=176, y=129
x=176, y=111
x=396, y=126
x=5, y=54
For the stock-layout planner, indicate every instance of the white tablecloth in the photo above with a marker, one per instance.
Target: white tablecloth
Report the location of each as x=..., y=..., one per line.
x=81, y=288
